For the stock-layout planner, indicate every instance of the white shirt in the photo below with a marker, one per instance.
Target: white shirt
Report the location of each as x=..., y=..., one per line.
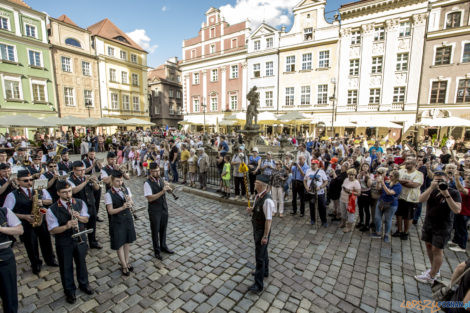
x=52, y=221
x=12, y=219
x=268, y=207
x=320, y=179
x=10, y=200
x=104, y=174
x=107, y=196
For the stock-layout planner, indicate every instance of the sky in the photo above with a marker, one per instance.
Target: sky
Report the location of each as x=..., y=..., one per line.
x=160, y=26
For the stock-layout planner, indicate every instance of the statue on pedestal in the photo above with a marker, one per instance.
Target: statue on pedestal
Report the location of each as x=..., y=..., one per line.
x=252, y=109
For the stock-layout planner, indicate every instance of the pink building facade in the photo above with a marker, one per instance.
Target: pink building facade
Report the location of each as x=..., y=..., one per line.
x=214, y=70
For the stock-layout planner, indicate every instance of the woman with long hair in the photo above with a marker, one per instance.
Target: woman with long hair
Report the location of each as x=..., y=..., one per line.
x=363, y=201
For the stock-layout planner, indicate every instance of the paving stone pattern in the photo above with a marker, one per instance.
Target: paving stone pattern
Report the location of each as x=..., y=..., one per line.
x=310, y=270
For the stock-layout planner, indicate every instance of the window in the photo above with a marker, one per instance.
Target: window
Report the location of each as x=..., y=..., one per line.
x=111, y=51
x=196, y=105
x=88, y=96
x=269, y=98
x=322, y=94
x=212, y=49
x=290, y=63
x=324, y=59
x=112, y=75
x=398, y=94
x=7, y=52
x=290, y=96
x=438, y=92
x=234, y=71
x=39, y=92
x=269, y=68
x=233, y=102
x=257, y=45
x=214, y=104
x=133, y=58
x=356, y=37
x=4, y=23
x=66, y=64
x=308, y=33
x=34, y=58
x=305, y=95
x=374, y=96
x=402, y=61
x=115, y=101
x=73, y=42
x=377, y=65
x=379, y=33
x=12, y=89
x=86, y=68
x=171, y=93
x=269, y=42
x=463, y=91
x=214, y=75
x=466, y=53
x=68, y=94
x=404, y=29
x=443, y=55
x=352, y=97
x=135, y=103
x=306, y=61
x=178, y=94
x=212, y=34
x=195, y=78
x=124, y=78
x=123, y=55
x=125, y=103
x=256, y=70
x=354, y=67
x=30, y=30
x=453, y=19
x=135, y=80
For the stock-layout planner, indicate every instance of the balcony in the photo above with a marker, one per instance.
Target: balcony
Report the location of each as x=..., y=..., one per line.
x=373, y=107
x=398, y=106
x=351, y=107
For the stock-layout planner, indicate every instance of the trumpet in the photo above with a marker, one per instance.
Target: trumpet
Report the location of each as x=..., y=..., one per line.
x=129, y=200
x=171, y=190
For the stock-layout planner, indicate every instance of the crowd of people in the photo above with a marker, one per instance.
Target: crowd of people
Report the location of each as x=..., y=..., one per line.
x=344, y=181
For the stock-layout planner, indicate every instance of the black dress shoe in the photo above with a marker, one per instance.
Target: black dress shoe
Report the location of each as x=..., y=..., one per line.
x=87, y=290
x=158, y=256
x=125, y=271
x=255, y=289
x=130, y=268
x=37, y=269
x=166, y=250
x=99, y=219
x=95, y=245
x=396, y=234
x=70, y=299
x=53, y=264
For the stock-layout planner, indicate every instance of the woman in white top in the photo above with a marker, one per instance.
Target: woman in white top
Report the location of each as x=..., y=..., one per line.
x=351, y=186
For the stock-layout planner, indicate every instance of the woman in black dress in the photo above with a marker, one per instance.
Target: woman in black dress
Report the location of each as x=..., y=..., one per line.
x=121, y=223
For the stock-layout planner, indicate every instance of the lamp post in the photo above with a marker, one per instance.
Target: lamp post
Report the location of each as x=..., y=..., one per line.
x=333, y=111
x=88, y=106
x=203, y=105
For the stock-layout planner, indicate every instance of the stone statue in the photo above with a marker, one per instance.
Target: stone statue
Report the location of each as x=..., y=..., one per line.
x=252, y=109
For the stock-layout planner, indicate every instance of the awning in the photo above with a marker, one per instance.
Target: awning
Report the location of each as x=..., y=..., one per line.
x=199, y=119
x=138, y=122
x=111, y=121
x=336, y=123
x=377, y=123
x=445, y=122
x=267, y=118
x=23, y=120
x=293, y=117
x=228, y=123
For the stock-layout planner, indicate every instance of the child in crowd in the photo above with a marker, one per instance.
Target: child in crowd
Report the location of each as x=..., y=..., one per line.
x=226, y=177
x=166, y=167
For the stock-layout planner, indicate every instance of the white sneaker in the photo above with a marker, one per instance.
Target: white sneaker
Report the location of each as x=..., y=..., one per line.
x=429, y=270
x=425, y=278
x=450, y=243
x=457, y=249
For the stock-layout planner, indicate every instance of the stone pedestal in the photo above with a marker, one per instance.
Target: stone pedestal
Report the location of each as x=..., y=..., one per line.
x=250, y=135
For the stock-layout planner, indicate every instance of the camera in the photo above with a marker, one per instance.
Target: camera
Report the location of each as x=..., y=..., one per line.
x=442, y=185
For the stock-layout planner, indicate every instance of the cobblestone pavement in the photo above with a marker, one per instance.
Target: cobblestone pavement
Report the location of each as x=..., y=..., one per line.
x=310, y=270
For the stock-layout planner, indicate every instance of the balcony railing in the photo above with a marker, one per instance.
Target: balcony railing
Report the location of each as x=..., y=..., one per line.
x=351, y=107
x=398, y=106
x=373, y=107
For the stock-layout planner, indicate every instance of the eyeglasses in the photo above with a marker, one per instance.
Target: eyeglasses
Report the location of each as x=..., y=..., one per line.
x=27, y=180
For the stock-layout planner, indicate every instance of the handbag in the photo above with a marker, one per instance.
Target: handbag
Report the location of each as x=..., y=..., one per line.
x=352, y=204
x=443, y=292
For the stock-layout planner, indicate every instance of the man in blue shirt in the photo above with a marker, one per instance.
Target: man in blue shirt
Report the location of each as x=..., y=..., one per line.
x=224, y=146
x=376, y=148
x=298, y=173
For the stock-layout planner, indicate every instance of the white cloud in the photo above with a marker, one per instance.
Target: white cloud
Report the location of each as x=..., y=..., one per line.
x=141, y=38
x=272, y=12
x=164, y=8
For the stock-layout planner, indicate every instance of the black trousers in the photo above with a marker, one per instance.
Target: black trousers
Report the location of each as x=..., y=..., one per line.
x=158, y=225
x=67, y=255
x=252, y=178
x=363, y=202
x=97, y=194
x=261, y=255
x=298, y=189
x=31, y=236
x=9, y=288
x=312, y=202
x=239, y=183
x=92, y=223
x=460, y=230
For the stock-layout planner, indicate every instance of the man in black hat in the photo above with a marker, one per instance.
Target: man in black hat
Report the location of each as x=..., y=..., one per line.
x=92, y=165
x=65, y=164
x=82, y=188
x=263, y=208
x=10, y=226
x=63, y=226
x=6, y=183
x=154, y=191
x=107, y=170
x=20, y=201
x=52, y=175
x=36, y=168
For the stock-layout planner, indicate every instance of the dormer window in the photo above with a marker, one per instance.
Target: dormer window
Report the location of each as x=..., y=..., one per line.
x=453, y=19
x=308, y=33
x=257, y=45
x=269, y=42
x=122, y=39
x=73, y=42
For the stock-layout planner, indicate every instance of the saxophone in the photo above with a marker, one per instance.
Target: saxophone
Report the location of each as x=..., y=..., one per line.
x=36, y=210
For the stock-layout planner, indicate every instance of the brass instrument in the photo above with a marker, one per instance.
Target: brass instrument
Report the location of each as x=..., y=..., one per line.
x=58, y=152
x=78, y=233
x=38, y=211
x=129, y=199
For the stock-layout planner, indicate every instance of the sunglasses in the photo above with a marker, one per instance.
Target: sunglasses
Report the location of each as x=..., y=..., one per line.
x=27, y=180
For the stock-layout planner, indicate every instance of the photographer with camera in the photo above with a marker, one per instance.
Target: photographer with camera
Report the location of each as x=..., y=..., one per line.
x=315, y=182
x=298, y=172
x=442, y=203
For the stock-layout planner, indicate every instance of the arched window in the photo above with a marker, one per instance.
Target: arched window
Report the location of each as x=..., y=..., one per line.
x=73, y=42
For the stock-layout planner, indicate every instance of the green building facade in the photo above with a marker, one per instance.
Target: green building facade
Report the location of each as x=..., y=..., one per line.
x=26, y=71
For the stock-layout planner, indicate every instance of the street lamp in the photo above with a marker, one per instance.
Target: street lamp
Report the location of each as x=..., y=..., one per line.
x=203, y=106
x=333, y=111
x=88, y=106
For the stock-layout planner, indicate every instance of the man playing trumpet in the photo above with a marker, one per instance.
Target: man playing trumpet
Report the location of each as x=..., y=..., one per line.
x=52, y=175
x=83, y=188
x=92, y=165
x=7, y=183
x=64, y=218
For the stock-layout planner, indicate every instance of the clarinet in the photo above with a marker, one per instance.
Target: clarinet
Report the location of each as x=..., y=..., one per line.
x=128, y=199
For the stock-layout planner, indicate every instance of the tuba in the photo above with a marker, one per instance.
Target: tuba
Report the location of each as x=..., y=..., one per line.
x=58, y=152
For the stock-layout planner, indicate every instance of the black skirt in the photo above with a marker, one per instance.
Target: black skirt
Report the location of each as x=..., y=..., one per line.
x=121, y=229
